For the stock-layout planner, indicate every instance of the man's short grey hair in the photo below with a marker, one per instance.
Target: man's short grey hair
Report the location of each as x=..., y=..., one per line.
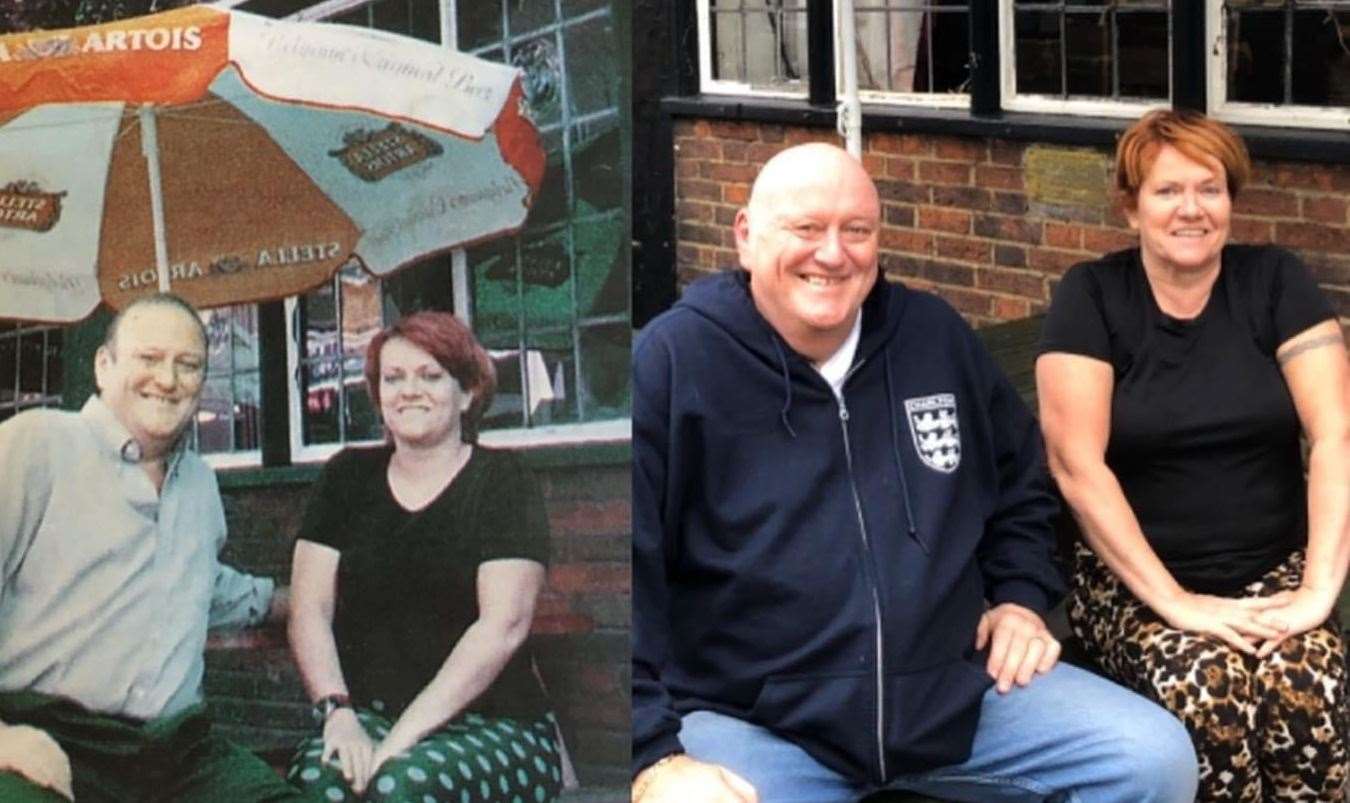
x=155, y=299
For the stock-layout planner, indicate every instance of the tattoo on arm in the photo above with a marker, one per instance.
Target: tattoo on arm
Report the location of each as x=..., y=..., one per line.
x=1307, y=345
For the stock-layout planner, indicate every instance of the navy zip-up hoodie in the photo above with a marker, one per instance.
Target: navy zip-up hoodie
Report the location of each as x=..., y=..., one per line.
x=820, y=568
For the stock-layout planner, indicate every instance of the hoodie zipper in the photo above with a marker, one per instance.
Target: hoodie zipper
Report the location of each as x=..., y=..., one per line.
x=876, y=599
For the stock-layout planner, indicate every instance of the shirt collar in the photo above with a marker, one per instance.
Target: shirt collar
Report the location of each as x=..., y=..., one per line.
x=117, y=440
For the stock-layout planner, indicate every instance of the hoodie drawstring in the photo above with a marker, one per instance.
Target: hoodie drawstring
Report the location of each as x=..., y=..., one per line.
x=895, y=451
x=787, y=387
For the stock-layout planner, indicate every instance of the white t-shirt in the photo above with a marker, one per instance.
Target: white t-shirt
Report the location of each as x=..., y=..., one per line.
x=836, y=366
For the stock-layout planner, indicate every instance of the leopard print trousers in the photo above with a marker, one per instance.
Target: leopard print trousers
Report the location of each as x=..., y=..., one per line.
x=1273, y=729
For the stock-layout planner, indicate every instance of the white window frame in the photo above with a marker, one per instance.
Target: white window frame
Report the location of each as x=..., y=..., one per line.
x=1015, y=102
x=930, y=100
x=1269, y=114
x=718, y=86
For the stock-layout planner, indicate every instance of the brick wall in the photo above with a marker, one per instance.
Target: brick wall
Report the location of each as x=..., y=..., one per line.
x=581, y=626
x=990, y=224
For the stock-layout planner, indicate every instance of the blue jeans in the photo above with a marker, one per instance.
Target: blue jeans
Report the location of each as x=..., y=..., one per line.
x=1068, y=736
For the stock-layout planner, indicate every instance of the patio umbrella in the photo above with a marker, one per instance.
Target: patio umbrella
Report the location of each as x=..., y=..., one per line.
x=236, y=158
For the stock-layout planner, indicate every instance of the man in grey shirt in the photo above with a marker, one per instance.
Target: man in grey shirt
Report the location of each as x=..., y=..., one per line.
x=109, y=578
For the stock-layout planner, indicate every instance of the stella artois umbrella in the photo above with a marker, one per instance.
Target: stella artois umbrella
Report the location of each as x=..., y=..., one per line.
x=235, y=158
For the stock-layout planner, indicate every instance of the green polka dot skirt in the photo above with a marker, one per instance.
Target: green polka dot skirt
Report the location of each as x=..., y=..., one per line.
x=474, y=759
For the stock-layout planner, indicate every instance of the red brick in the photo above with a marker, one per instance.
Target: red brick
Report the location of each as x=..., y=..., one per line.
x=732, y=129
x=1010, y=203
x=953, y=221
x=760, y=152
x=903, y=191
x=946, y=273
x=771, y=133
x=570, y=578
x=1328, y=269
x=964, y=197
x=967, y=302
x=965, y=150
x=698, y=233
x=1004, y=152
x=1251, y=230
x=898, y=215
x=1008, y=228
x=698, y=188
x=686, y=253
x=874, y=164
x=998, y=177
x=734, y=151
x=1340, y=300
x=914, y=242
x=1103, y=241
x=1021, y=283
x=944, y=173
x=1267, y=203
x=1011, y=309
x=900, y=167
x=1314, y=237
x=904, y=144
x=900, y=265
x=701, y=128
x=690, y=148
x=1048, y=259
x=798, y=136
x=694, y=211
x=728, y=171
x=561, y=624
x=1010, y=256
x=1325, y=209
x=1063, y=235
x=738, y=194
x=1302, y=176
x=687, y=168
x=965, y=249
x=726, y=215
x=590, y=517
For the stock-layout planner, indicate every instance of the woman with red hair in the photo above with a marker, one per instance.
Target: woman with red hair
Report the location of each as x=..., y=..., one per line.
x=415, y=576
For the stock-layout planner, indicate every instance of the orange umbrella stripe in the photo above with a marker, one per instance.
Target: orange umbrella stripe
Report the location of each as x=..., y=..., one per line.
x=171, y=60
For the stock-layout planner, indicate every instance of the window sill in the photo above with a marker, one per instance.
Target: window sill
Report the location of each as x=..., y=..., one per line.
x=1264, y=142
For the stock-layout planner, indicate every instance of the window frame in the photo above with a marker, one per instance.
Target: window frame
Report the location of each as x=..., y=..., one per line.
x=930, y=100
x=721, y=86
x=1264, y=114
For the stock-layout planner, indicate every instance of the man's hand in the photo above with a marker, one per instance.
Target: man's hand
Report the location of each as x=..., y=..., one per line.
x=1020, y=645
x=279, y=610
x=36, y=756
x=681, y=779
x=346, y=744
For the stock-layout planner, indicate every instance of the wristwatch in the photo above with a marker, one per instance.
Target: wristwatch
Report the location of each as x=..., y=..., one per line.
x=324, y=707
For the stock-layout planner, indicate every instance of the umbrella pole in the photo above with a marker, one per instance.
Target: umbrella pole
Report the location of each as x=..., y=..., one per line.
x=150, y=150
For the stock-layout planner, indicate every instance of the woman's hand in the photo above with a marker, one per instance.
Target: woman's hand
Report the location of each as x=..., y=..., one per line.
x=1242, y=623
x=392, y=746
x=1298, y=611
x=345, y=740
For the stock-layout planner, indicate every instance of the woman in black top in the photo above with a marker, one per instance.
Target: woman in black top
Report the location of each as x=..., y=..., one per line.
x=1174, y=382
x=415, y=576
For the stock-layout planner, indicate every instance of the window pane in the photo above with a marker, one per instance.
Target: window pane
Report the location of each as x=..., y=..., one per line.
x=1292, y=55
x=215, y=418
x=1038, y=53
x=1087, y=40
x=1143, y=55
x=728, y=47
x=543, y=77
x=1093, y=49
x=32, y=365
x=605, y=354
x=478, y=24
x=55, y=364
x=593, y=69
x=1256, y=57
x=228, y=418
x=9, y=369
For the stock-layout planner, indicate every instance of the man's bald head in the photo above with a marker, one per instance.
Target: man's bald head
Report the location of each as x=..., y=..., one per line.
x=804, y=167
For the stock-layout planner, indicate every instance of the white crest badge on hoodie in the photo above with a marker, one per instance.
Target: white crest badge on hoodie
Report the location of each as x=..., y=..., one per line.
x=937, y=434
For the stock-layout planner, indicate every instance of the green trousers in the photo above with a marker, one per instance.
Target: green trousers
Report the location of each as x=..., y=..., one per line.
x=170, y=760
x=17, y=789
x=473, y=759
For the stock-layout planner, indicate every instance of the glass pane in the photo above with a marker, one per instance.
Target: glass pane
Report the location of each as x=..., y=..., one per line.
x=602, y=266
x=392, y=16
x=550, y=206
x=605, y=352
x=593, y=70
x=358, y=16
x=363, y=422
x=247, y=411
x=884, y=65
x=1038, y=53
x=496, y=298
x=31, y=365
x=219, y=351
x=505, y=412
x=320, y=413
x=1088, y=44
x=55, y=364
x=215, y=417
x=546, y=272
x=361, y=311
x=1321, y=68
x=950, y=31
x=479, y=23
x=1256, y=57
x=543, y=77
x=548, y=373
x=424, y=20
x=9, y=366
x=531, y=15
x=575, y=8
x=1143, y=55
x=598, y=169
x=728, y=55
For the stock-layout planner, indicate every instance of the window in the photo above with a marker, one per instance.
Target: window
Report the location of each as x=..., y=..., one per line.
x=756, y=46
x=1290, y=57
x=913, y=52
x=229, y=417
x=1106, y=58
x=30, y=367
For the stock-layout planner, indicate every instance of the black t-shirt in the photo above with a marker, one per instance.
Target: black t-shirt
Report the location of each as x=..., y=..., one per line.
x=407, y=581
x=1204, y=435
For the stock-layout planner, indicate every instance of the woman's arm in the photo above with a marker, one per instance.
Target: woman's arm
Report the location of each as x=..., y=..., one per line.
x=312, y=601
x=1075, y=412
x=507, y=590
x=1314, y=366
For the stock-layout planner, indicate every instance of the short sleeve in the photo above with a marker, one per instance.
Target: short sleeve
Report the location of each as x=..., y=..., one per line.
x=1298, y=302
x=1075, y=322
x=326, y=509
x=511, y=518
